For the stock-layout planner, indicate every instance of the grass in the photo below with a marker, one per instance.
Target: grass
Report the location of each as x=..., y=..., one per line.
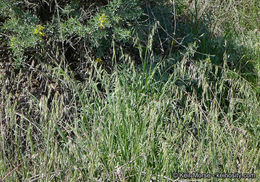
x=195, y=110
x=140, y=128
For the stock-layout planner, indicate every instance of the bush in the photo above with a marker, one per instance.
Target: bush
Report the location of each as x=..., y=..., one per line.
x=107, y=29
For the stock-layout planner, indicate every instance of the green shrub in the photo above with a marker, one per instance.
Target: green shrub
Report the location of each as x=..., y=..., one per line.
x=109, y=27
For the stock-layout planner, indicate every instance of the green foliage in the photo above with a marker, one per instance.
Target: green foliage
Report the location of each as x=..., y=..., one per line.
x=144, y=128
x=22, y=36
x=120, y=21
x=182, y=96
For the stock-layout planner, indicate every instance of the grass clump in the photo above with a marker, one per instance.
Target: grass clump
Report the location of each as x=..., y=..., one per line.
x=132, y=91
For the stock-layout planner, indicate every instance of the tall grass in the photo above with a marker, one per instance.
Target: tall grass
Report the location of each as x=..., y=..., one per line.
x=140, y=128
x=195, y=110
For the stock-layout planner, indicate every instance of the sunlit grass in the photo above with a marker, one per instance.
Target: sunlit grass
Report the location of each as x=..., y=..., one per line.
x=195, y=110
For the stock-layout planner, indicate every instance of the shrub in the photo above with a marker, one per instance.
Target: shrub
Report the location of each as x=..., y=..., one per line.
x=116, y=25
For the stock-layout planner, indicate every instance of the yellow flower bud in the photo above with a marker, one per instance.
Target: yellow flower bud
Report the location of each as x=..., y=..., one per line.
x=101, y=26
x=103, y=18
x=36, y=31
x=40, y=27
x=42, y=34
x=99, y=60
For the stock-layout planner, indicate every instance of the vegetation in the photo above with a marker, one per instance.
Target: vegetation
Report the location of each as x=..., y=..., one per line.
x=129, y=90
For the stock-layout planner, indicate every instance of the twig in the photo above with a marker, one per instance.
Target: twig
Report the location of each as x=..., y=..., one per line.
x=174, y=17
x=10, y=172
